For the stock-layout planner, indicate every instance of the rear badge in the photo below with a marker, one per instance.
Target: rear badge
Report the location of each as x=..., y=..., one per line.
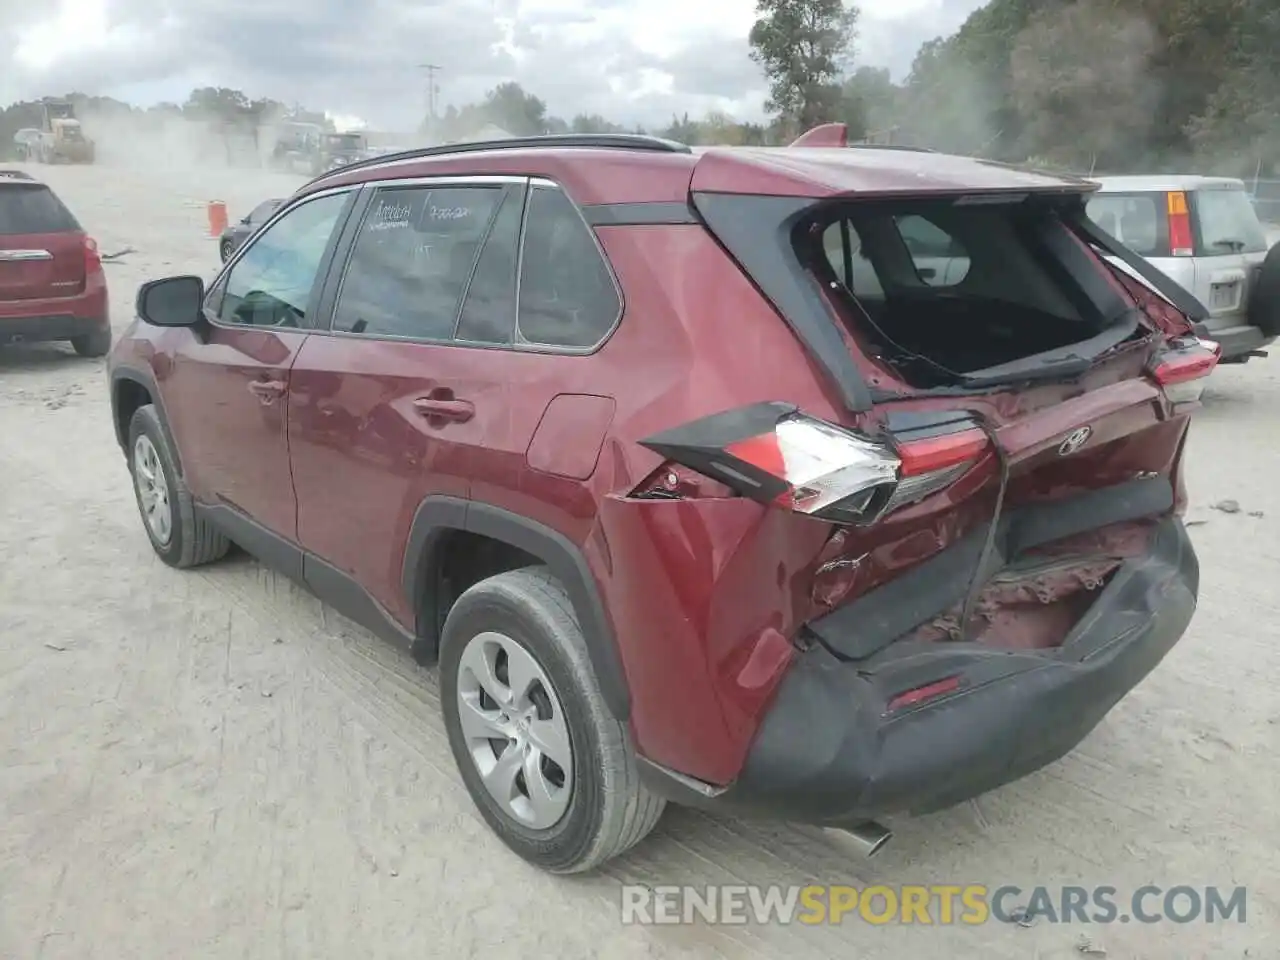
x=1075, y=440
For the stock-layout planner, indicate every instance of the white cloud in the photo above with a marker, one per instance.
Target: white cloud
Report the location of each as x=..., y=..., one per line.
x=638, y=61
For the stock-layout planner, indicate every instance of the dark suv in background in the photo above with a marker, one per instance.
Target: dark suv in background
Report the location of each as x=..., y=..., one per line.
x=52, y=285
x=817, y=483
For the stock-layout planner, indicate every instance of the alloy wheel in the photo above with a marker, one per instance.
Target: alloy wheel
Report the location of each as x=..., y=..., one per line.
x=515, y=730
x=153, y=489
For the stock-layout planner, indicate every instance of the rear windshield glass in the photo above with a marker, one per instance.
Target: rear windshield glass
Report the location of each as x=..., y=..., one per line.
x=32, y=208
x=1135, y=219
x=1228, y=224
x=942, y=291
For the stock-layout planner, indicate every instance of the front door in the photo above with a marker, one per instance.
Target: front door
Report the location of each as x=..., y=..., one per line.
x=228, y=390
x=386, y=408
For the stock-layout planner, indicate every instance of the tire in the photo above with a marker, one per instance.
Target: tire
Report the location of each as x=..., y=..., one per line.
x=1264, y=298
x=225, y=250
x=606, y=810
x=96, y=344
x=190, y=542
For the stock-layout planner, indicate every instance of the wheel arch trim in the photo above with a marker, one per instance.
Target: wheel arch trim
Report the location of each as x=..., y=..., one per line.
x=145, y=379
x=437, y=516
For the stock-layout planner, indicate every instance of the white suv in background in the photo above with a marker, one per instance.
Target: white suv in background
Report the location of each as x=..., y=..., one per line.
x=1204, y=233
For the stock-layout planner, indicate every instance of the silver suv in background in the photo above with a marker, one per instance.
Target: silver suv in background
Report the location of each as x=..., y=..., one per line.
x=1204, y=233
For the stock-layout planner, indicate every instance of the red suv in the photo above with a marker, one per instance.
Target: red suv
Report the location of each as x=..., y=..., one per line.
x=52, y=286
x=818, y=483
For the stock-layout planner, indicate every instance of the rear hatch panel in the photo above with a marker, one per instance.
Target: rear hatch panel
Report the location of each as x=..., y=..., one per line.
x=42, y=248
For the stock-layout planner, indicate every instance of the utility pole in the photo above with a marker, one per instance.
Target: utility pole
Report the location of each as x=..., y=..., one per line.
x=432, y=89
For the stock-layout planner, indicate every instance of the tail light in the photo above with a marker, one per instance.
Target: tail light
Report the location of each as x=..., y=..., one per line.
x=1181, y=242
x=918, y=695
x=1182, y=371
x=92, y=258
x=772, y=453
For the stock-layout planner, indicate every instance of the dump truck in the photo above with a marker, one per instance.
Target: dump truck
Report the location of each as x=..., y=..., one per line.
x=61, y=136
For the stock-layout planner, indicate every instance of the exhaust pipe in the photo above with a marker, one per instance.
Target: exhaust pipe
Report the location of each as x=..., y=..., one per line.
x=869, y=836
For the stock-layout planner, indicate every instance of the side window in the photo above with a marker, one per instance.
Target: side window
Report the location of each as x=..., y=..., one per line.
x=489, y=313
x=270, y=285
x=567, y=296
x=939, y=258
x=855, y=271
x=412, y=260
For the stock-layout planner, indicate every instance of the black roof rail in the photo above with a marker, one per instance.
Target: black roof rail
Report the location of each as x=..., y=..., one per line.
x=589, y=141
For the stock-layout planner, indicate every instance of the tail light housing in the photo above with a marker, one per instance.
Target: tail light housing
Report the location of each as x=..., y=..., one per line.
x=773, y=453
x=1181, y=241
x=1183, y=370
x=92, y=257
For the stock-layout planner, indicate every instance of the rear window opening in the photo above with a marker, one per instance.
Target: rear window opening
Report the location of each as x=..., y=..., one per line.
x=949, y=294
x=30, y=208
x=1226, y=224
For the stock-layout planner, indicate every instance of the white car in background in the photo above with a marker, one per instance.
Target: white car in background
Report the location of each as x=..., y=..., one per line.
x=1203, y=233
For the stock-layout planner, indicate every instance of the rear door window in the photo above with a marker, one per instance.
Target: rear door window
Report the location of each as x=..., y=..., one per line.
x=567, y=297
x=489, y=313
x=1135, y=219
x=32, y=208
x=412, y=260
x=1227, y=224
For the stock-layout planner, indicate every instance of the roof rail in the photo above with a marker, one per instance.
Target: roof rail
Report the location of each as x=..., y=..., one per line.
x=16, y=175
x=591, y=141
x=892, y=146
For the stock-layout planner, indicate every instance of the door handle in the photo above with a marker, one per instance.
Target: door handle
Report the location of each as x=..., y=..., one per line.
x=267, y=390
x=458, y=411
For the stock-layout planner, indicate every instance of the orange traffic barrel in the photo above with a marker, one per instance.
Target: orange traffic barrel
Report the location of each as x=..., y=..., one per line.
x=217, y=217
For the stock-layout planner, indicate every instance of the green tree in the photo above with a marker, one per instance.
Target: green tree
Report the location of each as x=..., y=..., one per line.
x=803, y=47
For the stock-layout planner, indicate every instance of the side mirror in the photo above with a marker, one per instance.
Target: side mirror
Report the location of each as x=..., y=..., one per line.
x=171, y=302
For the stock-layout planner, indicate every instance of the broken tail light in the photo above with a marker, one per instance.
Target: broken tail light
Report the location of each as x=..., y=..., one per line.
x=772, y=453
x=1182, y=372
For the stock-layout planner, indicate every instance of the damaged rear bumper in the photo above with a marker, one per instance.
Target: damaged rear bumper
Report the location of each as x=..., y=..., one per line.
x=829, y=752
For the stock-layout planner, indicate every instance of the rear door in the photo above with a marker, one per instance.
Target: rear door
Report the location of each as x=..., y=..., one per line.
x=1230, y=245
x=42, y=248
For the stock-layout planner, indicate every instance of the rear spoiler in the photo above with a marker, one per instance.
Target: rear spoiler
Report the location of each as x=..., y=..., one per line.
x=1168, y=288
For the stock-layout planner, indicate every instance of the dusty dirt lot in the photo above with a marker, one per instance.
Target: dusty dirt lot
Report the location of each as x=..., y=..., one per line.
x=212, y=764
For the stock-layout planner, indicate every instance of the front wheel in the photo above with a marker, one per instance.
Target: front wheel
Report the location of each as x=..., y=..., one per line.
x=551, y=771
x=177, y=535
x=225, y=249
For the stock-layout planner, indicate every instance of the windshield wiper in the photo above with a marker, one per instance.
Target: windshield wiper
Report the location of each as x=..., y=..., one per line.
x=1235, y=246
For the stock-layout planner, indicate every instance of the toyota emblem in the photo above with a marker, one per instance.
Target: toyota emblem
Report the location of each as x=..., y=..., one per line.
x=1074, y=441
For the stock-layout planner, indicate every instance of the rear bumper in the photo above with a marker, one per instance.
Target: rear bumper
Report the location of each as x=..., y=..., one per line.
x=827, y=753
x=55, y=319
x=1236, y=341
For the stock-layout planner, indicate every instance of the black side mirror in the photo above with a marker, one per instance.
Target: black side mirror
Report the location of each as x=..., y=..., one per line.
x=171, y=302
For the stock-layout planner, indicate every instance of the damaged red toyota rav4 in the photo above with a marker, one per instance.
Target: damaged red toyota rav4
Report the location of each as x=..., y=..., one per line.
x=818, y=483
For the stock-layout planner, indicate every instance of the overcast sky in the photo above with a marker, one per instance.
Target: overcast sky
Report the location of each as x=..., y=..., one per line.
x=636, y=61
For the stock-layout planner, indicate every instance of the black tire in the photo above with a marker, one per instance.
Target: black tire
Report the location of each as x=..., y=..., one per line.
x=1264, y=298
x=192, y=542
x=225, y=249
x=609, y=809
x=96, y=344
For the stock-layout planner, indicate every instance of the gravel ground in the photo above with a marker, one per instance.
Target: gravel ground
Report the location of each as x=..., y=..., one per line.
x=212, y=764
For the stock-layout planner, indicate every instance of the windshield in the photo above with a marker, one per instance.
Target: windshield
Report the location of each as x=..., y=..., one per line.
x=1228, y=224
x=344, y=142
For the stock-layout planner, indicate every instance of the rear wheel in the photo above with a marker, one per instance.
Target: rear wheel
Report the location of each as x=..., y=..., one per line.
x=225, y=249
x=179, y=537
x=551, y=771
x=96, y=344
